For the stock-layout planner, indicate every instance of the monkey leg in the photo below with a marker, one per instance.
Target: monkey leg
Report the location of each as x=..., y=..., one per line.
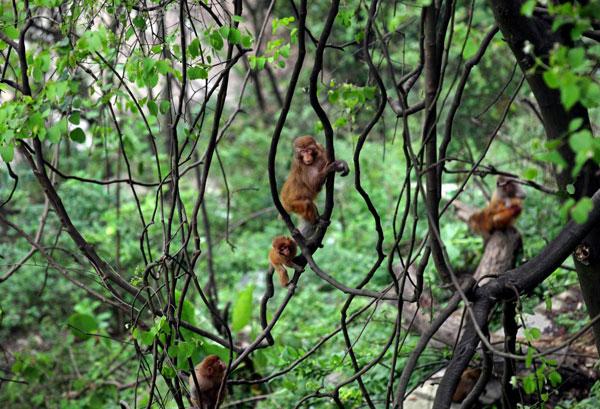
x=284, y=279
x=305, y=208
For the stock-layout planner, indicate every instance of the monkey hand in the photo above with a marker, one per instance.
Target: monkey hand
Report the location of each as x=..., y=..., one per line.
x=342, y=167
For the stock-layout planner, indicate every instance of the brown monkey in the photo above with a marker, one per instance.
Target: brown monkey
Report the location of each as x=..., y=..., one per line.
x=282, y=252
x=209, y=374
x=309, y=170
x=502, y=210
x=467, y=382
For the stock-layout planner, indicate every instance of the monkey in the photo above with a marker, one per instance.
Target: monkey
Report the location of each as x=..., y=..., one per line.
x=502, y=210
x=209, y=374
x=282, y=252
x=310, y=168
x=467, y=382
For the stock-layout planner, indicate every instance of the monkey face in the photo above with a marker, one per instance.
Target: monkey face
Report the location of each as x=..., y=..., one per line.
x=306, y=149
x=213, y=367
x=307, y=156
x=284, y=250
x=510, y=188
x=284, y=246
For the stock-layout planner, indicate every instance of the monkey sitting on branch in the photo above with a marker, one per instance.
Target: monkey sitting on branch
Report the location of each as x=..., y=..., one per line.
x=209, y=376
x=310, y=168
x=502, y=210
x=283, y=250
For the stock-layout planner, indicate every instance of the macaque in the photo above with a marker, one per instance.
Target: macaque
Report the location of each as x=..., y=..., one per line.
x=502, y=210
x=310, y=168
x=282, y=252
x=209, y=374
x=467, y=382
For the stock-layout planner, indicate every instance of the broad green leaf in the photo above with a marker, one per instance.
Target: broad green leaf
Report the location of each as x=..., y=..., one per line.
x=75, y=117
x=569, y=95
x=188, y=313
x=194, y=48
x=234, y=37
x=82, y=325
x=163, y=66
x=164, y=106
x=247, y=41
x=216, y=41
x=555, y=378
x=7, y=152
x=575, y=124
x=168, y=371
x=581, y=210
x=581, y=141
x=152, y=107
x=197, y=73
x=77, y=135
x=527, y=8
x=242, y=309
x=551, y=78
x=576, y=57
x=11, y=32
x=530, y=173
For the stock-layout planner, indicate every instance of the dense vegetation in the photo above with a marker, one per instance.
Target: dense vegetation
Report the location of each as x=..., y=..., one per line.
x=142, y=147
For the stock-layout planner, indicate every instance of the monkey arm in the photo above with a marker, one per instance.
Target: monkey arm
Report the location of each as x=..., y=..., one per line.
x=505, y=216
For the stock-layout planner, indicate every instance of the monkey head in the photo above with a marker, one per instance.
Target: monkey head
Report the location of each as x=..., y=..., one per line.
x=213, y=368
x=284, y=246
x=509, y=188
x=306, y=150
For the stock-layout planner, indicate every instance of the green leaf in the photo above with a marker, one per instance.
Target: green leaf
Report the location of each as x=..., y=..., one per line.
x=11, y=32
x=581, y=141
x=530, y=173
x=197, y=73
x=582, y=209
x=7, y=152
x=139, y=21
x=188, y=313
x=569, y=95
x=163, y=66
x=216, y=41
x=56, y=131
x=164, y=106
x=144, y=337
x=77, y=135
x=242, y=309
x=554, y=378
x=82, y=325
x=194, y=48
x=234, y=37
x=529, y=358
x=152, y=107
x=75, y=117
x=576, y=57
x=247, y=41
x=527, y=8
x=168, y=371
x=224, y=31
x=575, y=124
x=552, y=79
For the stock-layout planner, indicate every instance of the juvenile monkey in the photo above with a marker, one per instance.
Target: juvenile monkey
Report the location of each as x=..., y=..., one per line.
x=502, y=210
x=310, y=168
x=209, y=374
x=283, y=250
x=467, y=382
